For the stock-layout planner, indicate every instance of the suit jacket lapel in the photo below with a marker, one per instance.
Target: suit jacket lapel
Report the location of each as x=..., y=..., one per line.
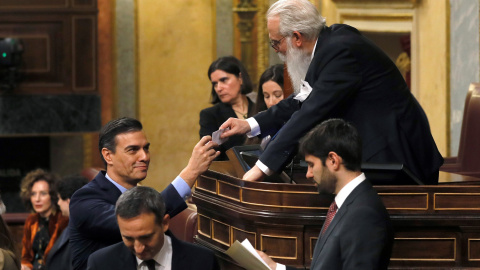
x=60, y=243
x=126, y=258
x=337, y=219
x=177, y=257
x=323, y=238
x=111, y=191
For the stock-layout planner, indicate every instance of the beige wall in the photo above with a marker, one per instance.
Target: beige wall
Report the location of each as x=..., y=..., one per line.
x=433, y=67
x=174, y=49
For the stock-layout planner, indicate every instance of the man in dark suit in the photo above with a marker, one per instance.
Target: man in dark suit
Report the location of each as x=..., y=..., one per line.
x=124, y=149
x=147, y=243
x=337, y=72
x=357, y=233
x=59, y=256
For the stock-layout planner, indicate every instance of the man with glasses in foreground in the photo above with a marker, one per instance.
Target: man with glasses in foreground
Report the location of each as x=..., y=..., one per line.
x=337, y=72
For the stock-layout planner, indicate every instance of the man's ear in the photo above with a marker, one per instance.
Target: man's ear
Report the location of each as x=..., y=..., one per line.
x=107, y=155
x=297, y=38
x=333, y=161
x=166, y=222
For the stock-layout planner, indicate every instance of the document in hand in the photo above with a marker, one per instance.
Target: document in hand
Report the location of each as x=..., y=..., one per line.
x=246, y=256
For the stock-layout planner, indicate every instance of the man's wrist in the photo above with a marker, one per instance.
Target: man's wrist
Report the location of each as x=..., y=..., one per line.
x=264, y=168
x=182, y=187
x=254, y=127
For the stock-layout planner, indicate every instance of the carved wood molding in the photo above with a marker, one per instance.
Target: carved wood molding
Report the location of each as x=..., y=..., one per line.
x=411, y=3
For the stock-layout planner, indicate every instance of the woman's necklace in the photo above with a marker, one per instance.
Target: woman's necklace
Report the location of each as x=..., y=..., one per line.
x=243, y=113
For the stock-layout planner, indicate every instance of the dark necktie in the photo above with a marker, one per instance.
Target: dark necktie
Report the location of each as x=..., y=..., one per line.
x=150, y=264
x=331, y=213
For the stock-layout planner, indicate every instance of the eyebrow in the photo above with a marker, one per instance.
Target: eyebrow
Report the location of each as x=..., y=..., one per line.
x=139, y=237
x=135, y=146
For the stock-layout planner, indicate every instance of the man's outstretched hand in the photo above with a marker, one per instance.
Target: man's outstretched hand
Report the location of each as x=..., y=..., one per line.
x=202, y=156
x=254, y=174
x=237, y=126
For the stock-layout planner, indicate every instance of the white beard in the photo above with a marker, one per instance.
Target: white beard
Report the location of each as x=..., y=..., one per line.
x=298, y=62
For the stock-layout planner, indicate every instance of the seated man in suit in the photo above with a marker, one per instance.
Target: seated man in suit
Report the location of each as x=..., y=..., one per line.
x=357, y=233
x=59, y=256
x=124, y=149
x=147, y=243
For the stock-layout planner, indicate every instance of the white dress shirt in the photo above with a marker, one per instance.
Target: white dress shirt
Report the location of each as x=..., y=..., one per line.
x=163, y=258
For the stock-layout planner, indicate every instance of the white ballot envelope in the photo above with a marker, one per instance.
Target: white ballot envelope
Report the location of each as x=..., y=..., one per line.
x=216, y=136
x=246, y=256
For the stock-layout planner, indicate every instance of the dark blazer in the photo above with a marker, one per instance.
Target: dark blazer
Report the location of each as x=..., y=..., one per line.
x=185, y=256
x=93, y=224
x=212, y=118
x=59, y=257
x=360, y=235
x=354, y=80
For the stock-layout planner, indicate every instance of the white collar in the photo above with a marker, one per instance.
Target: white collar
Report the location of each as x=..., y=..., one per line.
x=164, y=256
x=314, y=47
x=347, y=189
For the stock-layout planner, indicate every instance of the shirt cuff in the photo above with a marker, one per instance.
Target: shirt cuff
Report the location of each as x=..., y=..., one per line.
x=264, y=168
x=182, y=187
x=254, y=127
x=280, y=267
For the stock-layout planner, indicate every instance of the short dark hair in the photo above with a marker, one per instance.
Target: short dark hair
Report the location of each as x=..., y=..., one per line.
x=68, y=185
x=233, y=66
x=109, y=132
x=30, y=179
x=273, y=73
x=139, y=200
x=334, y=135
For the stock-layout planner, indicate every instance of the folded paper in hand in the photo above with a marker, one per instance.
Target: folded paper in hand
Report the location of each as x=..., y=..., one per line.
x=246, y=256
x=216, y=136
x=305, y=91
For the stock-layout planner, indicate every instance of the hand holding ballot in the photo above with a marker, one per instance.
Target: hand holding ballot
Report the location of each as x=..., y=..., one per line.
x=237, y=127
x=216, y=136
x=247, y=257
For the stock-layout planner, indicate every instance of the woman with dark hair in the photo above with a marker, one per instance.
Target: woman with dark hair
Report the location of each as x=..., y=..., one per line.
x=45, y=224
x=270, y=88
x=230, y=84
x=8, y=254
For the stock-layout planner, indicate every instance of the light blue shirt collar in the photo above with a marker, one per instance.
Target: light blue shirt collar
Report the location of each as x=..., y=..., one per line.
x=120, y=187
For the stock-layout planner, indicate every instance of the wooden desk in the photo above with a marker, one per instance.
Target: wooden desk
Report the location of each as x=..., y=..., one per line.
x=435, y=226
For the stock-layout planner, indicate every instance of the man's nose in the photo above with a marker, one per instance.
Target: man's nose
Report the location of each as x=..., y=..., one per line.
x=145, y=155
x=309, y=173
x=139, y=247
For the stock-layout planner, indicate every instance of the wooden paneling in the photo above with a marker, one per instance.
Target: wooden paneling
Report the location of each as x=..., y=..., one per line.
x=84, y=54
x=435, y=226
x=29, y=4
x=60, y=44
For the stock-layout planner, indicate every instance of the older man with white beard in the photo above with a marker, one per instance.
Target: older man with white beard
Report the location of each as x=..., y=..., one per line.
x=338, y=73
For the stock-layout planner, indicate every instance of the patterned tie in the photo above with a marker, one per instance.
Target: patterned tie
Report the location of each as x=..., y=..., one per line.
x=331, y=213
x=150, y=264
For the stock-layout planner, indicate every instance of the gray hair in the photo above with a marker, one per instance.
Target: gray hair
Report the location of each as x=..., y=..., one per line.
x=140, y=200
x=297, y=15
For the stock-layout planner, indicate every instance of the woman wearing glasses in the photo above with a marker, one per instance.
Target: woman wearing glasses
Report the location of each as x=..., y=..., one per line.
x=230, y=84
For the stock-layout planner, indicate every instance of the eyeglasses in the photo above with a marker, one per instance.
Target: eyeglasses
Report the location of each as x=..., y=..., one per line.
x=276, y=43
